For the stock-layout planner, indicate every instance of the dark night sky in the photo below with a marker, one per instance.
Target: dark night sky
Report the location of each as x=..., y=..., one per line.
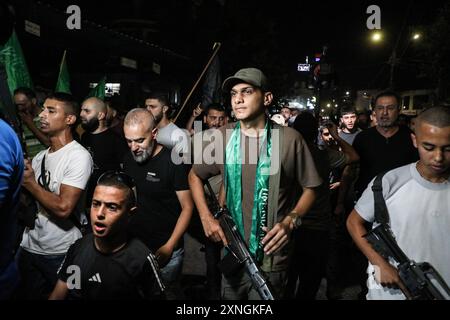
x=273, y=35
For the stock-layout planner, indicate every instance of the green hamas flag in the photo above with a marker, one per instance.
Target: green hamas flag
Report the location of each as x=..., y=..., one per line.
x=99, y=90
x=63, y=83
x=11, y=56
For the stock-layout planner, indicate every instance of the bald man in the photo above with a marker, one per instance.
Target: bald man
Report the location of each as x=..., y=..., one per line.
x=163, y=197
x=106, y=147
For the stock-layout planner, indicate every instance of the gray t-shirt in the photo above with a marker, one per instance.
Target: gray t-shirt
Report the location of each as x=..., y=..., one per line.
x=419, y=216
x=349, y=137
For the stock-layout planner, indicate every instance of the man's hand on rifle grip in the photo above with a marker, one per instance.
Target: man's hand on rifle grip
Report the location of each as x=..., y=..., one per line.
x=387, y=276
x=214, y=231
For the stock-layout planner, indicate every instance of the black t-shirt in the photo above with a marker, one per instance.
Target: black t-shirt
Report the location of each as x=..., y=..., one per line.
x=157, y=181
x=125, y=274
x=379, y=154
x=107, y=150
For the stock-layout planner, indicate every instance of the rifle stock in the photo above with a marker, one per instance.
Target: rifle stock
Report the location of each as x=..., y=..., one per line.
x=421, y=280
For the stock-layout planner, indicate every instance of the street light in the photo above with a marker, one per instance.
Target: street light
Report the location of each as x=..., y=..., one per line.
x=395, y=58
x=377, y=36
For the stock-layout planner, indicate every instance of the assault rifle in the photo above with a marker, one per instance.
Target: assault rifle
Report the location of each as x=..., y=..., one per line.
x=156, y=271
x=238, y=249
x=421, y=280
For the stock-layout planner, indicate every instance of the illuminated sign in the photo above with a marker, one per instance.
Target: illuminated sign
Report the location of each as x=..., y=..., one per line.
x=304, y=67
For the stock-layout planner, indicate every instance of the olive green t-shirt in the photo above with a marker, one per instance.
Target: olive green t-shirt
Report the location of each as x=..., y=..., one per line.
x=297, y=169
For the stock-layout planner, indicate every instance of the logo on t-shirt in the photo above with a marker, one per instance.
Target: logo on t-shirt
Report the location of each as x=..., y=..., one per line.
x=95, y=278
x=151, y=176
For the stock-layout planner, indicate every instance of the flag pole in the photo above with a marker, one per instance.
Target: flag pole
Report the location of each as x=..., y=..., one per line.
x=216, y=49
x=62, y=63
x=63, y=81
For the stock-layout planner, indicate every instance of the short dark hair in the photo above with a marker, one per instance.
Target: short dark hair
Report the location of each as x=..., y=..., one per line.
x=346, y=109
x=215, y=106
x=120, y=181
x=161, y=96
x=387, y=93
x=70, y=104
x=436, y=116
x=29, y=93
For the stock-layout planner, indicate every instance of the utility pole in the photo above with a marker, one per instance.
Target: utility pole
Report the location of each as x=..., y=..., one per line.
x=318, y=72
x=393, y=61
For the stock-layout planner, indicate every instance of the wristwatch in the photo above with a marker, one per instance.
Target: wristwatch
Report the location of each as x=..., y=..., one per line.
x=296, y=220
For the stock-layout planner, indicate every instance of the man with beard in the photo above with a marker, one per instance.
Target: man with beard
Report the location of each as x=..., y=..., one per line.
x=214, y=117
x=349, y=128
x=105, y=146
x=169, y=134
x=115, y=115
x=385, y=147
x=164, y=200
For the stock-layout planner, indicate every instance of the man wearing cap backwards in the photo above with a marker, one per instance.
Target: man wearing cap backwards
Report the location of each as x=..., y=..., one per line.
x=268, y=175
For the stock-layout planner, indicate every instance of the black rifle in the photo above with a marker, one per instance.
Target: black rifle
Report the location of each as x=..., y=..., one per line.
x=156, y=271
x=421, y=280
x=239, y=250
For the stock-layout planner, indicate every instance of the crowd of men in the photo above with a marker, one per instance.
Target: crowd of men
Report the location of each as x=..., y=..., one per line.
x=87, y=218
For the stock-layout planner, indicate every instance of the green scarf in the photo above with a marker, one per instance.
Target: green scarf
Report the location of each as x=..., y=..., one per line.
x=233, y=187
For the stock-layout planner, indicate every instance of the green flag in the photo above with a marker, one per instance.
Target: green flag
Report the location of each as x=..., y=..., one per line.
x=99, y=90
x=11, y=56
x=63, y=83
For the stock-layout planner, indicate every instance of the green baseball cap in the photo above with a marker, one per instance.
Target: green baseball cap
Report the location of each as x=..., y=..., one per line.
x=251, y=76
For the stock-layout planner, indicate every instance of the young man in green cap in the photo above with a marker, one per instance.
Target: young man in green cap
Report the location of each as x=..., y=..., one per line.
x=268, y=175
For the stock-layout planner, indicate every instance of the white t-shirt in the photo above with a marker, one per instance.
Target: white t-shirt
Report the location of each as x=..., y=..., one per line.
x=419, y=213
x=71, y=166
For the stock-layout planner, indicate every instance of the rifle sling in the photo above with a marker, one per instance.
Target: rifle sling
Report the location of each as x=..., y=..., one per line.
x=381, y=212
x=45, y=185
x=274, y=193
